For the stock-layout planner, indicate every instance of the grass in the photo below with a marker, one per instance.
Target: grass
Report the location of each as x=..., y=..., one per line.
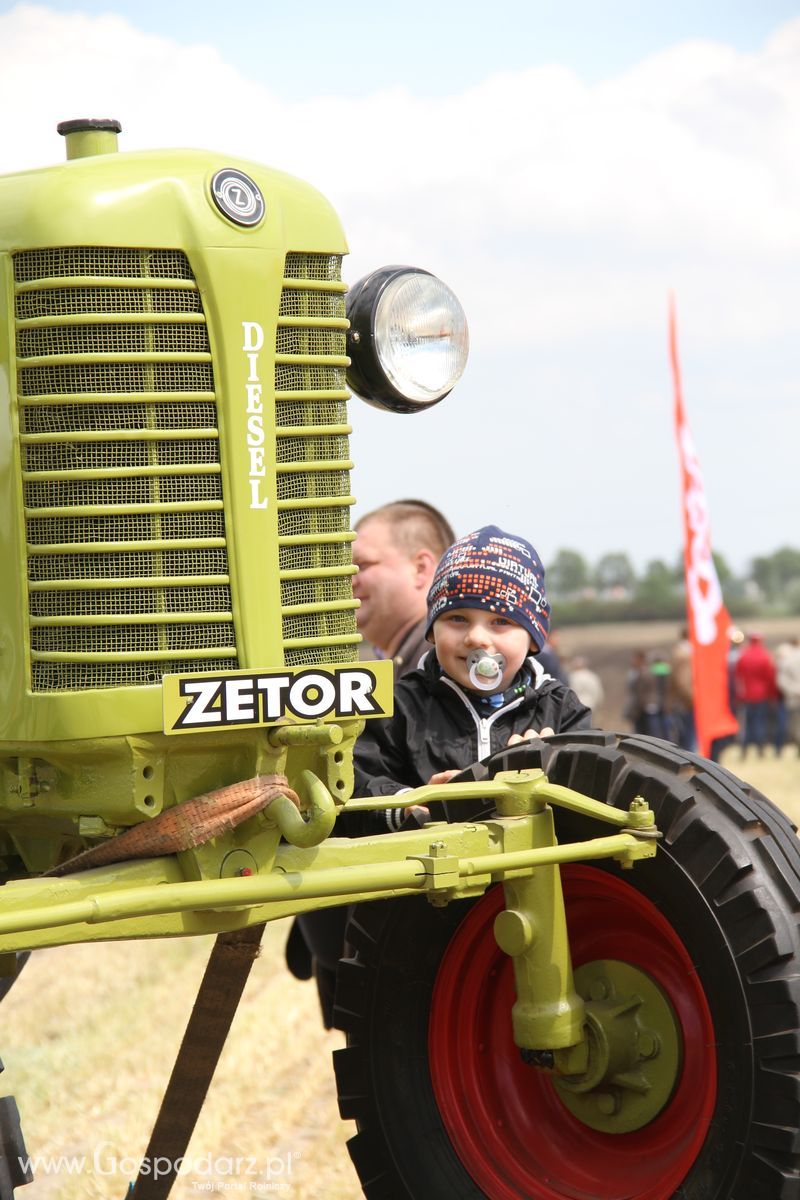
x=90, y=1036
x=90, y=1033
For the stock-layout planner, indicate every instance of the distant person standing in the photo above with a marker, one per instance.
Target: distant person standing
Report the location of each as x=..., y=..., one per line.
x=680, y=693
x=550, y=658
x=662, y=725
x=585, y=683
x=787, y=662
x=397, y=549
x=756, y=691
x=644, y=704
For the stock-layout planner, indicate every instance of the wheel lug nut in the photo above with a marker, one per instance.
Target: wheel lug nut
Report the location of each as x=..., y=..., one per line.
x=648, y=1044
x=607, y=1103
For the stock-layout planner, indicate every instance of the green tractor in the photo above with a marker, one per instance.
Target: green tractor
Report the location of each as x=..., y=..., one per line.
x=583, y=982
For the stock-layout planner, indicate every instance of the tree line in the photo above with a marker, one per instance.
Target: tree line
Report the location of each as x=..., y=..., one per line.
x=610, y=589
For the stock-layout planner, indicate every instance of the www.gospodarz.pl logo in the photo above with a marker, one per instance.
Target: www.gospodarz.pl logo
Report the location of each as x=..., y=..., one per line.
x=211, y=1172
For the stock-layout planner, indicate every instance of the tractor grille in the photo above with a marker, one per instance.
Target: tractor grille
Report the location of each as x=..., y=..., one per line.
x=313, y=465
x=126, y=548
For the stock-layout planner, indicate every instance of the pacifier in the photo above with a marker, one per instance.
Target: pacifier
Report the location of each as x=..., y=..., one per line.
x=485, y=670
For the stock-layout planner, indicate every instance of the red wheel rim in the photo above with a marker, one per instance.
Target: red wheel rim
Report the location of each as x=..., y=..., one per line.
x=505, y=1119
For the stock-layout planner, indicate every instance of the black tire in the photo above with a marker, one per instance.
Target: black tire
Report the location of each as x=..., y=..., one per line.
x=724, y=895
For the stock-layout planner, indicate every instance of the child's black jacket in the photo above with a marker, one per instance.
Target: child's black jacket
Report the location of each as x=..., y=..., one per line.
x=436, y=728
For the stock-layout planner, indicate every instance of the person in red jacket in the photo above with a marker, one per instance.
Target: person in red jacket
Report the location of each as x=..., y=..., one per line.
x=756, y=690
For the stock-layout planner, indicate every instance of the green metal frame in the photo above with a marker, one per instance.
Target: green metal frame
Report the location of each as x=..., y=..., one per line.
x=286, y=864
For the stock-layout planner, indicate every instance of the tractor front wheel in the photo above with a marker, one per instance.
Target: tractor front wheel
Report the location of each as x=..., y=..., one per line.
x=446, y=1107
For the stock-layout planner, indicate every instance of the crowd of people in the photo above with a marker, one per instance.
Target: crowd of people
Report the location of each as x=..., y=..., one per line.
x=763, y=693
x=397, y=550
x=659, y=694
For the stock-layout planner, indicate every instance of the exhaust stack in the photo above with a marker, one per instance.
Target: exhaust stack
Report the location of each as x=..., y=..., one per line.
x=87, y=136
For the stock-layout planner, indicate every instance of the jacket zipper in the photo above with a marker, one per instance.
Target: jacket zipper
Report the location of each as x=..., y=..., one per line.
x=483, y=725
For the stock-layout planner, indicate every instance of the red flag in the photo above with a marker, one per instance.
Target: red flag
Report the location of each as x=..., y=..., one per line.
x=708, y=618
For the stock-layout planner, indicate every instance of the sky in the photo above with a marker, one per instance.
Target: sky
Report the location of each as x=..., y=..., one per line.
x=564, y=167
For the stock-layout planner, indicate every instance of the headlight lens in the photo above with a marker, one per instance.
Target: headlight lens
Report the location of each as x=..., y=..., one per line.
x=408, y=340
x=421, y=336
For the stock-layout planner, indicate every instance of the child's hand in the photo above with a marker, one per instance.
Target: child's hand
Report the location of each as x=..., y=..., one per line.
x=443, y=776
x=422, y=813
x=516, y=738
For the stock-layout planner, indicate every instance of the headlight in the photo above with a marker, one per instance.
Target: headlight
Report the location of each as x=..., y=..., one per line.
x=408, y=340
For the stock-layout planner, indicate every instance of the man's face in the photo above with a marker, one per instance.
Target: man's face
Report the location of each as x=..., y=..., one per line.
x=391, y=586
x=461, y=630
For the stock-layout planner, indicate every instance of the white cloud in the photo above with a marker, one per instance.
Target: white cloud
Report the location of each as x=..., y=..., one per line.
x=561, y=213
x=689, y=148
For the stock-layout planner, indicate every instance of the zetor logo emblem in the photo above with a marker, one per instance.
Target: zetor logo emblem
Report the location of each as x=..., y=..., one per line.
x=237, y=197
x=263, y=698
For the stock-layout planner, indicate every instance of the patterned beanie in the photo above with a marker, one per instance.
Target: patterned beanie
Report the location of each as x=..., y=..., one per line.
x=495, y=571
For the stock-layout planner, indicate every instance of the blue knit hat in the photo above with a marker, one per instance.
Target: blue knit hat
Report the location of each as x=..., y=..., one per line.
x=495, y=571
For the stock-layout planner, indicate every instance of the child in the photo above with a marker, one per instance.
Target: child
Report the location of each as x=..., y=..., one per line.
x=480, y=688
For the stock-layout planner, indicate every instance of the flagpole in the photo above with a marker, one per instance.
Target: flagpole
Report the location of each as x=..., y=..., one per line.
x=707, y=617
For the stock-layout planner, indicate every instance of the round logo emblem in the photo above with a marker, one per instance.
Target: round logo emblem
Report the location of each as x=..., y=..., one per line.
x=237, y=197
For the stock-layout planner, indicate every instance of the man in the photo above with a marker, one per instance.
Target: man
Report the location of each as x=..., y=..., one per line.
x=787, y=659
x=680, y=693
x=586, y=683
x=756, y=691
x=397, y=550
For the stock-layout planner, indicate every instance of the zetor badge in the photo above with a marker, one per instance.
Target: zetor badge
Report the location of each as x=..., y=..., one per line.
x=268, y=697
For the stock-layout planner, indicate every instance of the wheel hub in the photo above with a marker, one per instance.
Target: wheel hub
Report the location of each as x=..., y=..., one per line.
x=625, y=1071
